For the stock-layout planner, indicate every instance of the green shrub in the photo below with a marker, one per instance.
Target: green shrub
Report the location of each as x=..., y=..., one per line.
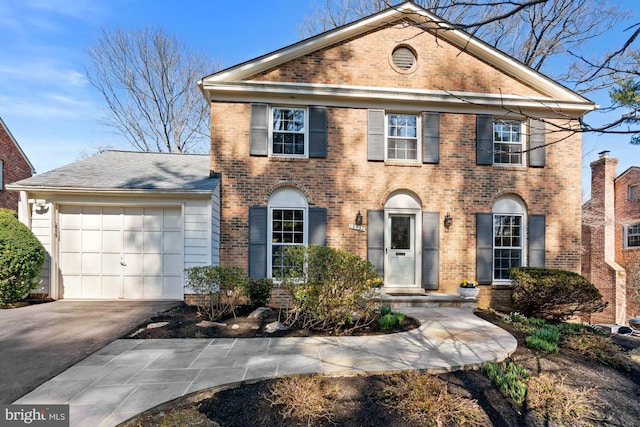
x=330, y=289
x=554, y=295
x=21, y=258
x=258, y=291
x=222, y=286
x=545, y=338
x=385, y=309
x=510, y=377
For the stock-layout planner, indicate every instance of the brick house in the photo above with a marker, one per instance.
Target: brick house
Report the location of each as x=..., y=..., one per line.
x=14, y=166
x=417, y=147
x=611, y=237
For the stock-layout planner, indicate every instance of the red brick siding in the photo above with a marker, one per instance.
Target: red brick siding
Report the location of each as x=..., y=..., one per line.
x=627, y=212
x=14, y=168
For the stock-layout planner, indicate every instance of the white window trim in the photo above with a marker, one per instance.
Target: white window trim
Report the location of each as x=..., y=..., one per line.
x=523, y=142
x=513, y=206
x=418, y=137
x=626, y=236
x=285, y=198
x=306, y=131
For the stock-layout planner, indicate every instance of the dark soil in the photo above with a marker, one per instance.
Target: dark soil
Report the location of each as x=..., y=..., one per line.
x=183, y=323
x=361, y=401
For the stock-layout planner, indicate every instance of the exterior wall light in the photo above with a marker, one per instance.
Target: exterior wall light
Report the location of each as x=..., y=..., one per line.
x=448, y=220
x=358, y=218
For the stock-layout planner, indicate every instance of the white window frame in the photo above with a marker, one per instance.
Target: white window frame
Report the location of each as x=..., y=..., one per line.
x=285, y=199
x=509, y=206
x=627, y=234
x=305, y=132
x=522, y=142
x=388, y=137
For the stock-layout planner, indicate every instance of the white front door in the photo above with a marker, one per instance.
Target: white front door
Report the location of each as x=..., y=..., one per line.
x=400, y=251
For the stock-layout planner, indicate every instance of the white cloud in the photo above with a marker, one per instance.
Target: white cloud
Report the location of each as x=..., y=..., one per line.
x=43, y=71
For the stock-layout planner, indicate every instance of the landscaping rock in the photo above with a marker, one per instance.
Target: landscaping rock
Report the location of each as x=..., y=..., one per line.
x=274, y=326
x=235, y=327
x=157, y=325
x=259, y=312
x=209, y=324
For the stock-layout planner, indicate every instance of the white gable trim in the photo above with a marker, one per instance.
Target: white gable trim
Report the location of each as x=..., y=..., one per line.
x=408, y=10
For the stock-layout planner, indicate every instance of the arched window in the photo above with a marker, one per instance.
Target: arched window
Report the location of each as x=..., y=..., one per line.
x=288, y=226
x=509, y=235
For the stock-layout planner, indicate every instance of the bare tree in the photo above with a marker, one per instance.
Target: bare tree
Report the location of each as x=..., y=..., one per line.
x=148, y=79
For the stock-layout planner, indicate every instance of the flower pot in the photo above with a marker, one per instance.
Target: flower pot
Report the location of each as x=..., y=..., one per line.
x=635, y=323
x=468, y=293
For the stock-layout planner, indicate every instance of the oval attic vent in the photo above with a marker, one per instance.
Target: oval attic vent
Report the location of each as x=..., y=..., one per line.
x=404, y=58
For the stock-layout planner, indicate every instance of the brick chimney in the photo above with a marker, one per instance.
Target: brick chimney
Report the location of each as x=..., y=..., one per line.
x=603, y=175
x=598, y=231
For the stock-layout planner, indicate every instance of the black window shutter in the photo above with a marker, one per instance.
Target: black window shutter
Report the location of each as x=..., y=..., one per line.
x=318, y=226
x=259, y=132
x=430, y=137
x=317, y=132
x=375, y=139
x=537, y=143
x=484, y=140
x=375, y=239
x=430, y=250
x=537, y=224
x=484, y=247
x=257, y=242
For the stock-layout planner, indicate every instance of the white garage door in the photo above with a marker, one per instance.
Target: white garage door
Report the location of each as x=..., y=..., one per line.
x=115, y=252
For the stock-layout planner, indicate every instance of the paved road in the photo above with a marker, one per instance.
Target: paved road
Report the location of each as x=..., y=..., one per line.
x=38, y=342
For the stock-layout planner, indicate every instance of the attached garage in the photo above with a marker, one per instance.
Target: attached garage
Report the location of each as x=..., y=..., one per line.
x=129, y=237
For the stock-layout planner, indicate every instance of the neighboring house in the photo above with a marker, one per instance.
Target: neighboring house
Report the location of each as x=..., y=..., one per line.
x=14, y=166
x=123, y=225
x=611, y=238
x=419, y=148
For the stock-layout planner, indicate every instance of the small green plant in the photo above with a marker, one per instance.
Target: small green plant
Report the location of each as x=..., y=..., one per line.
x=545, y=339
x=222, y=288
x=303, y=398
x=390, y=320
x=21, y=258
x=385, y=309
x=258, y=291
x=466, y=283
x=510, y=377
x=524, y=323
x=425, y=400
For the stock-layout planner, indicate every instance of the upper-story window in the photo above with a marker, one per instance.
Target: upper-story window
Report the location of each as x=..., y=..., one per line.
x=633, y=192
x=288, y=131
x=633, y=236
x=508, y=144
x=402, y=137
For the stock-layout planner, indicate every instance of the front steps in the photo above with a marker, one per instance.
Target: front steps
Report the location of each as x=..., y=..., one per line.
x=399, y=300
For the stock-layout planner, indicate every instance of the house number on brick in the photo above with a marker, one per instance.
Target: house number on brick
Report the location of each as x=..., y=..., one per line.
x=356, y=227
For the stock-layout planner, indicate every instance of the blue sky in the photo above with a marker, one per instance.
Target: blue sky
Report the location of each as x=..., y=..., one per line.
x=54, y=113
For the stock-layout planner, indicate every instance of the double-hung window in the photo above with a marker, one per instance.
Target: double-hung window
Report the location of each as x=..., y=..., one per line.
x=633, y=192
x=402, y=137
x=508, y=144
x=288, y=131
x=633, y=236
x=507, y=244
x=287, y=229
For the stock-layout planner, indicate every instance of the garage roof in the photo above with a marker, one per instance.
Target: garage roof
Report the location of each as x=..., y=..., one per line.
x=127, y=170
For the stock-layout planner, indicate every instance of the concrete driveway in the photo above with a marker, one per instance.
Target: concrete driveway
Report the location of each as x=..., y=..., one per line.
x=40, y=341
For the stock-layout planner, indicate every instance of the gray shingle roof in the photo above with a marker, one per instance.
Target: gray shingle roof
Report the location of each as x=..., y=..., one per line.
x=127, y=170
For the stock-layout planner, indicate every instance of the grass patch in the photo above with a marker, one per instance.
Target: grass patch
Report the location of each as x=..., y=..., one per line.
x=425, y=399
x=303, y=398
x=510, y=377
x=554, y=402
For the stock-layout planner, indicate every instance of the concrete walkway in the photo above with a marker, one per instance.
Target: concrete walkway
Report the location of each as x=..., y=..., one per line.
x=130, y=376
